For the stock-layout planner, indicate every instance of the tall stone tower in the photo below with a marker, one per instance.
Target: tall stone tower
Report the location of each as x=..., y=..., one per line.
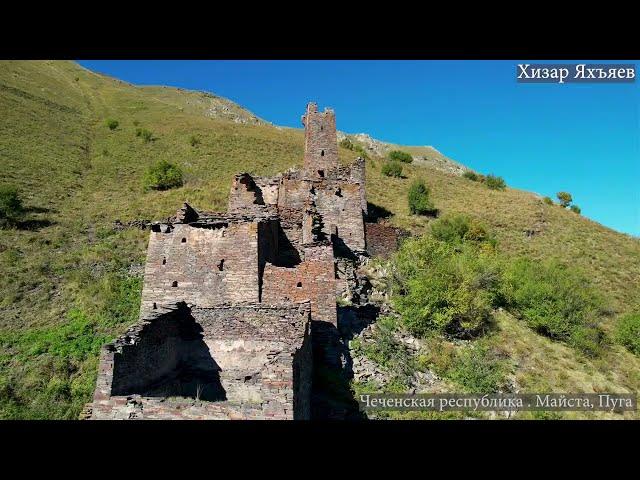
x=320, y=142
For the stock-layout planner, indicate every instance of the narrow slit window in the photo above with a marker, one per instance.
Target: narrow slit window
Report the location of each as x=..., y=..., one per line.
x=164, y=260
x=221, y=265
x=322, y=153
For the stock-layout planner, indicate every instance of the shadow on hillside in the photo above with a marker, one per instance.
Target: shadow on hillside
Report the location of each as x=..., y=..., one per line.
x=376, y=213
x=39, y=210
x=34, y=225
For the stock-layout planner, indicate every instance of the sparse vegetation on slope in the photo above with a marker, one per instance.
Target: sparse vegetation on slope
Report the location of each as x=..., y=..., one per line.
x=162, y=176
x=400, y=156
x=392, y=169
x=11, y=208
x=419, y=200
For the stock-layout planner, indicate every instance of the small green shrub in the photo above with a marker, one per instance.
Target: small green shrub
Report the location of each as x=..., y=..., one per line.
x=419, y=199
x=438, y=287
x=360, y=149
x=627, y=332
x=162, y=176
x=194, y=141
x=458, y=228
x=112, y=124
x=346, y=143
x=145, y=134
x=388, y=352
x=400, y=156
x=469, y=175
x=11, y=208
x=555, y=301
x=392, y=169
x=575, y=209
x=136, y=123
x=564, y=198
x=547, y=200
x=479, y=369
x=495, y=183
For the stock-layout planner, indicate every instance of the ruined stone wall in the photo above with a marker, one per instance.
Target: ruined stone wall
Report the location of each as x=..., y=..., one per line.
x=269, y=187
x=202, y=266
x=314, y=279
x=357, y=175
x=293, y=193
x=340, y=205
x=262, y=354
x=320, y=142
x=383, y=240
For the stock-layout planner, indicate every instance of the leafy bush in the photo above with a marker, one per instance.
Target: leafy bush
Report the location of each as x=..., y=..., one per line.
x=162, y=176
x=564, y=198
x=194, y=141
x=145, y=134
x=442, y=288
x=419, y=201
x=554, y=300
x=458, y=228
x=387, y=351
x=547, y=200
x=575, y=209
x=495, y=183
x=346, y=143
x=628, y=332
x=479, y=370
x=400, y=156
x=392, y=169
x=471, y=175
x=112, y=124
x=11, y=208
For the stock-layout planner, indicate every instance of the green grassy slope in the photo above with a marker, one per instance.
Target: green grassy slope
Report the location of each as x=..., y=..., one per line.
x=65, y=275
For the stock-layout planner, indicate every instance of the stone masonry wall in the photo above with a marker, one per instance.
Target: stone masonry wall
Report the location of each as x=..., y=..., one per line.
x=202, y=266
x=259, y=350
x=314, y=279
x=339, y=205
x=320, y=142
x=382, y=240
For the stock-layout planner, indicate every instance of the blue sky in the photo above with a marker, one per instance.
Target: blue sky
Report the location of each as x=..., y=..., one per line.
x=580, y=138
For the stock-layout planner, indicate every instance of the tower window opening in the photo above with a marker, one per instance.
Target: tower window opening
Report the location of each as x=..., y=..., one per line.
x=174, y=284
x=321, y=173
x=184, y=240
x=322, y=153
x=164, y=260
x=221, y=265
x=299, y=285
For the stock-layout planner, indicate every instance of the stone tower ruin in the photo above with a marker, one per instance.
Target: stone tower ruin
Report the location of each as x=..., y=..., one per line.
x=239, y=307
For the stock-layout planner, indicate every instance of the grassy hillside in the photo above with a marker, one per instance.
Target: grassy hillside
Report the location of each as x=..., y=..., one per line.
x=67, y=278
